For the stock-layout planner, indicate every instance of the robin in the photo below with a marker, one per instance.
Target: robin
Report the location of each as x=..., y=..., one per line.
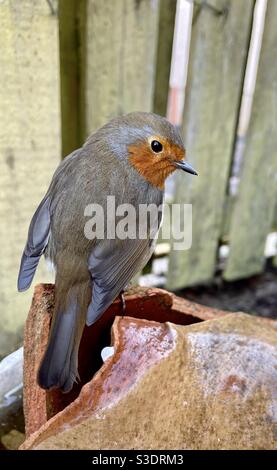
x=129, y=158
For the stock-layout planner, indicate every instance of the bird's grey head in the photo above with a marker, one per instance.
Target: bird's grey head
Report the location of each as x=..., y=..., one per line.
x=147, y=142
x=138, y=128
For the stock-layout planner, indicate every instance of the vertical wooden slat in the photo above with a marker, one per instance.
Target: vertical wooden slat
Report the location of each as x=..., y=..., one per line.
x=29, y=140
x=165, y=41
x=69, y=75
x=119, y=43
x=254, y=209
x=219, y=42
x=275, y=229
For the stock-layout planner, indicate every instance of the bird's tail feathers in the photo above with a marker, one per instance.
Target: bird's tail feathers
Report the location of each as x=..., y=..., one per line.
x=59, y=366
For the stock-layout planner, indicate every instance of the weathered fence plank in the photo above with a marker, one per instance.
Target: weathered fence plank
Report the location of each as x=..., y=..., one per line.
x=219, y=43
x=118, y=58
x=69, y=75
x=165, y=41
x=29, y=140
x=254, y=208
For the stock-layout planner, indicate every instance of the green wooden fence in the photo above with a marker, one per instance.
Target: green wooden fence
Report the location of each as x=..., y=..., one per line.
x=68, y=66
x=253, y=215
x=220, y=41
x=218, y=52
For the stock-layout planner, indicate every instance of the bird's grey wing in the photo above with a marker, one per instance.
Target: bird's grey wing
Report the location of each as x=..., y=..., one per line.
x=39, y=229
x=38, y=235
x=112, y=265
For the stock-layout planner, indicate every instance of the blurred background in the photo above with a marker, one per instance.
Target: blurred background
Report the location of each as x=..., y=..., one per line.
x=68, y=66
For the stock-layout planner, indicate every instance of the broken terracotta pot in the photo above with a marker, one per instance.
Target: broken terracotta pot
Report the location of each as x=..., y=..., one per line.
x=153, y=304
x=209, y=385
x=158, y=353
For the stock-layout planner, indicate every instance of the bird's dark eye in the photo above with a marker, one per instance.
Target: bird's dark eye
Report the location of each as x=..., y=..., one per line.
x=156, y=146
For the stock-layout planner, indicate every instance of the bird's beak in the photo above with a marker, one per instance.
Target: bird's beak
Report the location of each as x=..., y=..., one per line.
x=183, y=165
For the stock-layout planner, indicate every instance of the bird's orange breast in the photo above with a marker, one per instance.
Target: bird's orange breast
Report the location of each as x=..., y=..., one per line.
x=155, y=168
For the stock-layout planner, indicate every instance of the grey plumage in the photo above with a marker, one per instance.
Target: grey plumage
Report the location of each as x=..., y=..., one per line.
x=37, y=241
x=61, y=351
x=111, y=274
x=90, y=273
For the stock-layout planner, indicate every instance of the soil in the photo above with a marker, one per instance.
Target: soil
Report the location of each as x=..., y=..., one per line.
x=256, y=295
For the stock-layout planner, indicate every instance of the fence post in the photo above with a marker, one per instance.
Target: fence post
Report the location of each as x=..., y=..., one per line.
x=165, y=41
x=219, y=43
x=253, y=213
x=69, y=75
x=119, y=42
x=29, y=141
